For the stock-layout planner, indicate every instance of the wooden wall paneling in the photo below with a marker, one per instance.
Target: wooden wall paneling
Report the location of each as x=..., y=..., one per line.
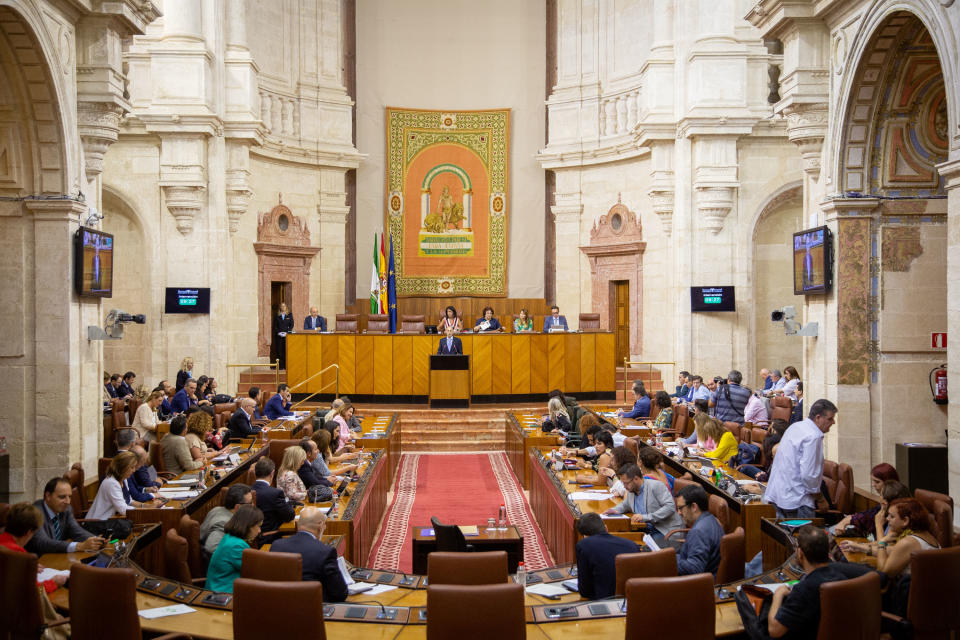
x=502, y=369
x=347, y=359
x=403, y=365
x=296, y=359
x=556, y=379
x=605, y=361
x=313, y=360
x=571, y=362
x=330, y=350
x=482, y=365
x=365, y=365
x=520, y=363
x=383, y=365
x=423, y=347
x=538, y=364
x=588, y=371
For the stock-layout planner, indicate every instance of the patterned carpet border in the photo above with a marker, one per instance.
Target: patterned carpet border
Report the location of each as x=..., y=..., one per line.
x=386, y=556
x=535, y=554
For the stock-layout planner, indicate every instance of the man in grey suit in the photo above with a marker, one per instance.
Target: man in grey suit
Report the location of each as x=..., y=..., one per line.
x=60, y=533
x=555, y=320
x=649, y=501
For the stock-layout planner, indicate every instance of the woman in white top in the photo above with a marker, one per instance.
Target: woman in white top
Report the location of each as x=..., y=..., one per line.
x=792, y=377
x=111, y=498
x=909, y=531
x=145, y=420
x=449, y=319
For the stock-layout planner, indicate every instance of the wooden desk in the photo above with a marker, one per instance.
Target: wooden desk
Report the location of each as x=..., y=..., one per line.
x=509, y=540
x=523, y=434
x=503, y=364
x=382, y=431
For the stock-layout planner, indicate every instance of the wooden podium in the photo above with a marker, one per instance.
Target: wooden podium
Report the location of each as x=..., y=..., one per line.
x=449, y=381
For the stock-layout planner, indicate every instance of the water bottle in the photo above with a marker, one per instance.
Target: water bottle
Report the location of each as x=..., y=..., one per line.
x=521, y=575
x=659, y=437
x=502, y=518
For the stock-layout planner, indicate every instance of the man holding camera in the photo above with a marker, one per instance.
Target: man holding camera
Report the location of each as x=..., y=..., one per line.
x=731, y=399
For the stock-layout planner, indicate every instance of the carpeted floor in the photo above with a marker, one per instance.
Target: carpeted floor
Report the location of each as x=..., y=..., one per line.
x=460, y=488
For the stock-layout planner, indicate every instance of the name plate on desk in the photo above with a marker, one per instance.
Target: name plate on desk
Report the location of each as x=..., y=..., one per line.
x=450, y=363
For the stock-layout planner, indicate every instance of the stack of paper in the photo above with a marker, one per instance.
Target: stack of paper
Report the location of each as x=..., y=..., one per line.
x=161, y=612
x=547, y=590
x=50, y=574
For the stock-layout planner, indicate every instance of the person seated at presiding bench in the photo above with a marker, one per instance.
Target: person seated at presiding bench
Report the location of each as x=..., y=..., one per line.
x=700, y=552
x=450, y=345
x=238, y=534
x=796, y=610
x=319, y=559
x=487, y=322
x=60, y=532
x=211, y=530
x=113, y=498
x=555, y=320
x=23, y=521
x=650, y=503
x=314, y=321
x=596, y=557
x=523, y=323
x=278, y=406
x=270, y=500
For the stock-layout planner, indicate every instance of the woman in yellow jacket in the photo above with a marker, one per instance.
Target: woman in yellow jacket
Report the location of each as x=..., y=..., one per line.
x=726, y=446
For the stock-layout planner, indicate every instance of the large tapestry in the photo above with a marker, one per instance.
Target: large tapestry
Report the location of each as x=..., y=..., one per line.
x=447, y=174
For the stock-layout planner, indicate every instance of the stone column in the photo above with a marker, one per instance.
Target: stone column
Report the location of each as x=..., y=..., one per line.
x=567, y=210
x=332, y=211
x=662, y=190
x=951, y=173
x=183, y=20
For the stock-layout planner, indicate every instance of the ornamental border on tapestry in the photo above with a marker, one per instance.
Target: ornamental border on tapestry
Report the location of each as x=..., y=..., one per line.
x=467, y=128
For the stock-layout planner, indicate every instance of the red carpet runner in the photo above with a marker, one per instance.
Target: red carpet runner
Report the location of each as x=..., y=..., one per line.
x=459, y=488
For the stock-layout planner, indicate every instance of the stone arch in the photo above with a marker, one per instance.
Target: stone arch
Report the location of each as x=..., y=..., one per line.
x=858, y=79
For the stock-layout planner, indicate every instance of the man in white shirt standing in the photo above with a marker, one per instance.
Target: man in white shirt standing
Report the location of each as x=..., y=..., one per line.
x=797, y=470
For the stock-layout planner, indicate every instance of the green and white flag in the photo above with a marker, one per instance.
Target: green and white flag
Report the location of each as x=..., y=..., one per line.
x=375, y=280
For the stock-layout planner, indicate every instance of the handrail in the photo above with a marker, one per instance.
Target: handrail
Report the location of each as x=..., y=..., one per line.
x=318, y=373
x=275, y=365
x=627, y=362
x=336, y=392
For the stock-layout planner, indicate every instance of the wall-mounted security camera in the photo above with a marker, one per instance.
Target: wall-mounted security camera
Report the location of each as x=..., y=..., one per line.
x=791, y=327
x=113, y=328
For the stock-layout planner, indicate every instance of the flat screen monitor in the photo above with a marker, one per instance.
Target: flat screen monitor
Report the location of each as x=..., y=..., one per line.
x=187, y=300
x=93, y=263
x=707, y=299
x=812, y=261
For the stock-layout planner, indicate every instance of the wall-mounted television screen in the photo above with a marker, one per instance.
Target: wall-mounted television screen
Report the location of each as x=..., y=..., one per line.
x=93, y=263
x=712, y=299
x=812, y=261
x=187, y=300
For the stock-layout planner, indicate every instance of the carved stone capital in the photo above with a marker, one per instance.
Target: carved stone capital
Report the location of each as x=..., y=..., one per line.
x=807, y=127
x=661, y=199
x=238, y=196
x=714, y=203
x=184, y=203
x=99, y=125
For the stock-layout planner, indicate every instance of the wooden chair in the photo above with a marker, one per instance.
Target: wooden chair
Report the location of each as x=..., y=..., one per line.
x=190, y=530
x=96, y=617
x=646, y=609
x=21, y=615
x=589, y=322
x=347, y=323
x=484, y=567
x=780, y=408
x=654, y=564
x=271, y=566
x=934, y=592
x=721, y=511
x=734, y=428
x=288, y=610
x=378, y=323
x=78, y=498
x=103, y=464
x=733, y=552
x=850, y=609
x=475, y=611
x=175, y=565
x=412, y=324
x=940, y=506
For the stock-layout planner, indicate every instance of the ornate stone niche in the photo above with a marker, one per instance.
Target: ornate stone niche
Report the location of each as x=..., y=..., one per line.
x=284, y=254
x=616, y=253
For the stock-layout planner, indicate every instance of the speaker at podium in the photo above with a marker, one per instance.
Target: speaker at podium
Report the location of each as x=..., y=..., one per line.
x=449, y=381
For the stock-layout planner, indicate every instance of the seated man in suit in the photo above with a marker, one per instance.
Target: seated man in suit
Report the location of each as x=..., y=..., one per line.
x=596, y=557
x=211, y=530
x=165, y=410
x=555, y=321
x=186, y=397
x=487, y=322
x=126, y=385
x=450, y=345
x=797, y=414
x=113, y=386
x=240, y=424
x=270, y=500
x=319, y=559
x=314, y=322
x=649, y=501
x=60, y=533
x=278, y=406
x=700, y=552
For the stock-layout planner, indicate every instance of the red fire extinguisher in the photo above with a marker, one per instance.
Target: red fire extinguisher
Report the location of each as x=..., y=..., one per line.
x=938, y=384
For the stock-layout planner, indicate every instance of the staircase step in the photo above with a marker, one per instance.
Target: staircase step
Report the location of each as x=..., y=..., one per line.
x=450, y=446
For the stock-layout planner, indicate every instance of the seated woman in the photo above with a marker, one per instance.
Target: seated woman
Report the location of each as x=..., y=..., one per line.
x=524, y=323
x=726, y=442
x=23, y=520
x=621, y=457
x=451, y=320
x=238, y=534
x=651, y=464
x=603, y=442
x=113, y=498
x=344, y=414
x=145, y=420
x=789, y=389
x=641, y=403
x=866, y=521
x=487, y=323
x=199, y=425
x=288, y=480
x=756, y=411
x=665, y=417
x=558, y=420
x=324, y=460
